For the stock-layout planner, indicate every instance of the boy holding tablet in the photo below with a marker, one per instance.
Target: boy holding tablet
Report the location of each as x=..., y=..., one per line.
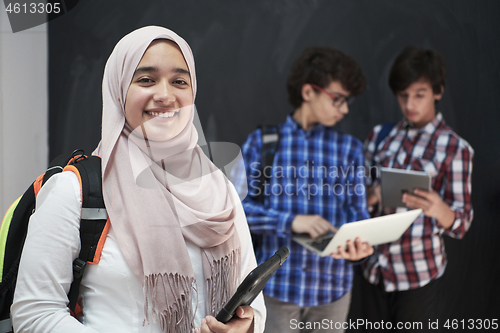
x=402, y=278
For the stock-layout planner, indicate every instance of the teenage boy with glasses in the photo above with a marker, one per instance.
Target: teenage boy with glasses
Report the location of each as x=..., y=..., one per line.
x=315, y=187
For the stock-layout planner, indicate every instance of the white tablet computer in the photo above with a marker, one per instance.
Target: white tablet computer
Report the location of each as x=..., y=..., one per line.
x=374, y=231
x=395, y=182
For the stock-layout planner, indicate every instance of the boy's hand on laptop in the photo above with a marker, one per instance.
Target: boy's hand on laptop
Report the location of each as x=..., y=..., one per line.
x=314, y=225
x=355, y=250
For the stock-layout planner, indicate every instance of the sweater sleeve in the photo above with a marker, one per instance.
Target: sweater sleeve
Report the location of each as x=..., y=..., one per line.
x=45, y=271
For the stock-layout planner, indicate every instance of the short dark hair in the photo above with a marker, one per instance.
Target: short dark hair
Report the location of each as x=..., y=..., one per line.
x=414, y=64
x=321, y=66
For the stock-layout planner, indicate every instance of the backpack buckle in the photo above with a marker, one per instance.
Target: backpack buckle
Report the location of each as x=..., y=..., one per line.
x=78, y=268
x=78, y=154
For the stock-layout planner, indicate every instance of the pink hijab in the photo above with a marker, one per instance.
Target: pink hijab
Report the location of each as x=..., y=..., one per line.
x=160, y=194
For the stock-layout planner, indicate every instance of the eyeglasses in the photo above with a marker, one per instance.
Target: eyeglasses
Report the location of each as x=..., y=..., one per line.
x=338, y=98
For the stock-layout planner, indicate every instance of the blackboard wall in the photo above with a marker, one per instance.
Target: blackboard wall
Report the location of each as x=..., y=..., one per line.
x=243, y=50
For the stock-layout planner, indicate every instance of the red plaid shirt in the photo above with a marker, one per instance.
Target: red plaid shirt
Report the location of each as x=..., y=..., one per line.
x=419, y=255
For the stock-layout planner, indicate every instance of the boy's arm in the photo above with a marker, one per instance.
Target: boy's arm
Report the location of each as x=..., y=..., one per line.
x=261, y=219
x=457, y=193
x=459, y=190
x=453, y=211
x=357, y=210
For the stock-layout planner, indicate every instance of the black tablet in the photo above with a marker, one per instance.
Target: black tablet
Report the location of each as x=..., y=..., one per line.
x=252, y=285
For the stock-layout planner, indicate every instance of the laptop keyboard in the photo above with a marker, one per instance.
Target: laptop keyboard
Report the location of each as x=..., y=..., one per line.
x=320, y=243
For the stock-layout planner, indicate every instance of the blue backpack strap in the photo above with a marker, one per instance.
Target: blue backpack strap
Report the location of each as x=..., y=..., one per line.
x=384, y=132
x=270, y=142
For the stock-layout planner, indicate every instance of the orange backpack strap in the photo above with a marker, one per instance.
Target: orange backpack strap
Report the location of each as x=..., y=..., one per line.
x=94, y=223
x=100, y=243
x=37, y=184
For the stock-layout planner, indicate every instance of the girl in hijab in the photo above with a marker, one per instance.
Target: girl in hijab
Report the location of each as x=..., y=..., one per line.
x=178, y=242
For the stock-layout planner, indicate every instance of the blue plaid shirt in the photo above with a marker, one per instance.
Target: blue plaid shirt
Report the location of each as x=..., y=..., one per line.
x=318, y=172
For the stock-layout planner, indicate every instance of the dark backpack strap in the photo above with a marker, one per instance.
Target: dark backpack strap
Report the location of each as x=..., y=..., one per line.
x=93, y=220
x=270, y=142
x=270, y=136
x=57, y=165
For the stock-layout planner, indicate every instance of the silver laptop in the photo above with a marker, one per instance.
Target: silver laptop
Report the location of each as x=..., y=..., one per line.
x=395, y=182
x=374, y=231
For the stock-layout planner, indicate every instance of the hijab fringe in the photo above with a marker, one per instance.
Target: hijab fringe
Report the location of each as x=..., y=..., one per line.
x=223, y=281
x=175, y=314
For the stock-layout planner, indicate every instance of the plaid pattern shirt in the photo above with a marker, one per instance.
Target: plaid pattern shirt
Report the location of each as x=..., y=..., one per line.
x=318, y=172
x=419, y=255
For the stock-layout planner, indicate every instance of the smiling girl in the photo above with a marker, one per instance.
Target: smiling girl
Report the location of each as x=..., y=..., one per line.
x=178, y=244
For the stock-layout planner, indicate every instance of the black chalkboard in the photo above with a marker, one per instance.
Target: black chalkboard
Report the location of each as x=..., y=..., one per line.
x=243, y=50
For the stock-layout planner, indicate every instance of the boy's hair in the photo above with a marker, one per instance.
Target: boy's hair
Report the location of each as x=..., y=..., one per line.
x=414, y=64
x=321, y=66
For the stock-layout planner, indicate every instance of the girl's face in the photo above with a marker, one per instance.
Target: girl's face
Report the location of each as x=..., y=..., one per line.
x=160, y=96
